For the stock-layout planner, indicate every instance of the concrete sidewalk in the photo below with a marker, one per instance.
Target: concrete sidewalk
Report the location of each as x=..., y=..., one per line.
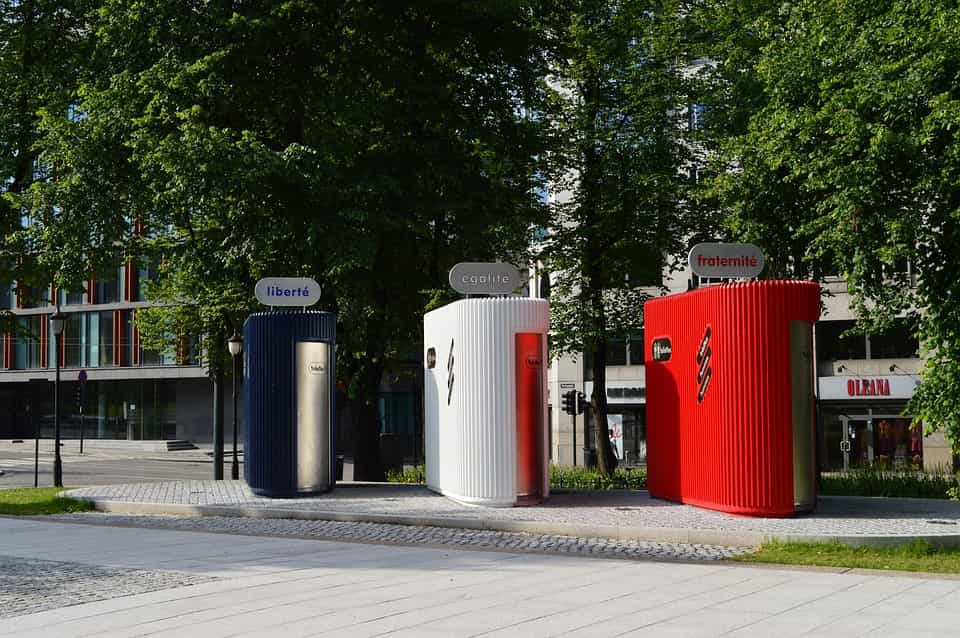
x=165, y=583
x=629, y=515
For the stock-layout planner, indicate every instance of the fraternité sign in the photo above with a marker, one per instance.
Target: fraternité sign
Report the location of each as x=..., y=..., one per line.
x=726, y=260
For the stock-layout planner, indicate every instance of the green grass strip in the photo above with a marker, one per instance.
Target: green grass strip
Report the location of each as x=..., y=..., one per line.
x=918, y=556
x=33, y=501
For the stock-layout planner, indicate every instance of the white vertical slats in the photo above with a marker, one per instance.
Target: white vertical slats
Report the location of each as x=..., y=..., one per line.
x=471, y=443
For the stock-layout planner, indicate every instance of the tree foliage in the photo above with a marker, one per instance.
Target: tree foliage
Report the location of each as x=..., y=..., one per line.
x=369, y=145
x=44, y=50
x=619, y=212
x=860, y=123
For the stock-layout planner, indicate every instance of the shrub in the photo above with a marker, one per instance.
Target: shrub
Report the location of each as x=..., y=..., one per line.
x=872, y=481
x=583, y=478
x=416, y=474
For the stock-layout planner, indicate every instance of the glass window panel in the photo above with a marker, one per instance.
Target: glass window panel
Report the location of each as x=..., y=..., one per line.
x=92, y=349
x=73, y=340
x=106, y=338
x=617, y=352
x=831, y=345
x=896, y=343
x=27, y=343
x=635, y=347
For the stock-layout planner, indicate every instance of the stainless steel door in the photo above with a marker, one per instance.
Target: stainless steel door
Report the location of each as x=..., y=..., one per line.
x=313, y=415
x=801, y=357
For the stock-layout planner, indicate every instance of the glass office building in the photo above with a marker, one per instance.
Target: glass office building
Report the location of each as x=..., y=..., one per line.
x=131, y=392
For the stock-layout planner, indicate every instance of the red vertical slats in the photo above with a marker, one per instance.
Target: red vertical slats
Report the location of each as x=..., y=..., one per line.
x=733, y=450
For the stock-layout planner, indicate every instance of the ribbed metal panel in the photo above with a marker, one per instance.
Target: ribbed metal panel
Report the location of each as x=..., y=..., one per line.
x=471, y=443
x=732, y=451
x=269, y=399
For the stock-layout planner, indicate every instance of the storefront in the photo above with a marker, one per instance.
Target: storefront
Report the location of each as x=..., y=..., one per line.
x=863, y=423
x=626, y=420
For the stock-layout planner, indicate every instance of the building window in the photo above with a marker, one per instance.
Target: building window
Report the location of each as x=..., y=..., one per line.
x=617, y=352
x=27, y=343
x=695, y=115
x=148, y=272
x=34, y=297
x=833, y=345
x=105, y=338
x=898, y=342
x=635, y=348
x=8, y=297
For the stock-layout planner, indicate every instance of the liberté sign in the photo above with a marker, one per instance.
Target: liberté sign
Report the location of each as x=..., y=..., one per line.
x=477, y=278
x=726, y=260
x=287, y=291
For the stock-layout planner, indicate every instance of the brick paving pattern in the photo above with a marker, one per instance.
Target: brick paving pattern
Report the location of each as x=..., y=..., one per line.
x=381, y=533
x=28, y=586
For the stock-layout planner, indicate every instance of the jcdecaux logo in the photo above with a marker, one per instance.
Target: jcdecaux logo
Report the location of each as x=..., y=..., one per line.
x=287, y=291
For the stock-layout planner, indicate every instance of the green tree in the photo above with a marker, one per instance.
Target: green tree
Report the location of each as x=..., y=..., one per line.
x=741, y=198
x=367, y=144
x=44, y=51
x=620, y=213
x=861, y=119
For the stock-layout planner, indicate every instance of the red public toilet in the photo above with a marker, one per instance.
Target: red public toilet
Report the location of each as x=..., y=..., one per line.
x=730, y=404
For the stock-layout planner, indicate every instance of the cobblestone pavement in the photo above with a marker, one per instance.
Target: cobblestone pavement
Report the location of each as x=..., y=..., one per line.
x=413, y=535
x=835, y=516
x=28, y=585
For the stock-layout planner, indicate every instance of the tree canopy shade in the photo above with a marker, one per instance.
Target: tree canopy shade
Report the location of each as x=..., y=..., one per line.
x=620, y=215
x=369, y=145
x=861, y=122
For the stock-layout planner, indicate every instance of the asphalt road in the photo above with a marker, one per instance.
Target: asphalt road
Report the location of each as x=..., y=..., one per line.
x=104, y=467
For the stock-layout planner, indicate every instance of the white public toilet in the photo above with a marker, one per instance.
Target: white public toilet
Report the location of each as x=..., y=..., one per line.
x=485, y=400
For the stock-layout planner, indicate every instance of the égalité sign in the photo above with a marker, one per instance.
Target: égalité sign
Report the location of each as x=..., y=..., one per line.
x=478, y=278
x=726, y=260
x=287, y=291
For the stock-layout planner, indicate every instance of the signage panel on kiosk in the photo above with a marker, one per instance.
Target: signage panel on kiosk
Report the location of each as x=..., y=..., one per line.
x=730, y=412
x=485, y=400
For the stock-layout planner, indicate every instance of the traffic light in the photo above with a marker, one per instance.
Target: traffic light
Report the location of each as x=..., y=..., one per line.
x=581, y=402
x=78, y=396
x=569, y=398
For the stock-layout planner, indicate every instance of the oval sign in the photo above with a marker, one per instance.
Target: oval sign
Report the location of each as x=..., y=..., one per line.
x=287, y=291
x=726, y=260
x=478, y=278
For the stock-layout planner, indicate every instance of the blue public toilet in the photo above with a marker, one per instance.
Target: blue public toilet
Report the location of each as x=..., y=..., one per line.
x=288, y=402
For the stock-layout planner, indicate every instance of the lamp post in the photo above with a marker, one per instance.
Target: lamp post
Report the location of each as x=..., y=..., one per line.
x=235, y=345
x=58, y=322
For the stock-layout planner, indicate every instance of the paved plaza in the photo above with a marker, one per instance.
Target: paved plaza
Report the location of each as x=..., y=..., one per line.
x=255, y=586
x=630, y=515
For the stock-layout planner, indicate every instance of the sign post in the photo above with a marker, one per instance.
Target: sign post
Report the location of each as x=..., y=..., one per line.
x=82, y=380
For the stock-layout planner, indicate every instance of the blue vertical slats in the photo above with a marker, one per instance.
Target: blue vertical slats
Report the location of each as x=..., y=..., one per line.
x=269, y=398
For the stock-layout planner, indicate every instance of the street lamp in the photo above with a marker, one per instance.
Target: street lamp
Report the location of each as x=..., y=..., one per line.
x=235, y=345
x=58, y=322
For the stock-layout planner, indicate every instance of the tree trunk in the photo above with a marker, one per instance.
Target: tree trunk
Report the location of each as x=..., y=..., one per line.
x=606, y=459
x=367, y=464
x=596, y=315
